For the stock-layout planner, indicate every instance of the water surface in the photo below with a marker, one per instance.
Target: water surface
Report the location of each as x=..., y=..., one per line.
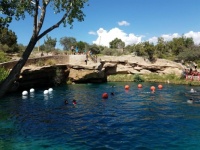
x=131, y=119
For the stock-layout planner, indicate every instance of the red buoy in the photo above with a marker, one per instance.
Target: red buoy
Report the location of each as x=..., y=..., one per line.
x=160, y=86
x=126, y=87
x=153, y=88
x=139, y=85
x=105, y=95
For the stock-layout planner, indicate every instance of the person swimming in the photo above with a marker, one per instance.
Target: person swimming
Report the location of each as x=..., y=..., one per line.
x=192, y=90
x=112, y=93
x=66, y=101
x=190, y=101
x=74, y=102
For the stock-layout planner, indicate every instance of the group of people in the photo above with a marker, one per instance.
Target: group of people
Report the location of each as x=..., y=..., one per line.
x=191, y=73
x=73, y=102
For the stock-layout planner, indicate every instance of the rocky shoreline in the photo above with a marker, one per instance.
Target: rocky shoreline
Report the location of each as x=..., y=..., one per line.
x=75, y=70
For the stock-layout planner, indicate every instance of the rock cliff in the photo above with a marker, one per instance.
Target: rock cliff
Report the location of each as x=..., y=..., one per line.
x=80, y=72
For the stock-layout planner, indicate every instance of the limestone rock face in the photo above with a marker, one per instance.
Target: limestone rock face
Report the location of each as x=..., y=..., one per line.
x=83, y=75
x=80, y=72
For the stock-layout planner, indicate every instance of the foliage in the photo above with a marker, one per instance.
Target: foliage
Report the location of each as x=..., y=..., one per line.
x=117, y=44
x=3, y=74
x=161, y=78
x=49, y=44
x=68, y=10
x=120, y=78
x=112, y=52
x=150, y=50
x=3, y=57
x=50, y=62
x=8, y=41
x=81, y=46
x=138, y=78
x=7, y=37
x=94, y=49
x=40, y=63
x=68, y=43
x=190, y=54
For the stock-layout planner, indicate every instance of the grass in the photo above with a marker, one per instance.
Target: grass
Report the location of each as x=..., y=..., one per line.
x=171, y=78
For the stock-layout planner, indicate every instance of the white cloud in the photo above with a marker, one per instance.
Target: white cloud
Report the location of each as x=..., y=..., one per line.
x=166, y=37
x=105, y=37
x=92, y=33
x=169, y=37
x=123, y=23
x=194, y=35
x=153, y=40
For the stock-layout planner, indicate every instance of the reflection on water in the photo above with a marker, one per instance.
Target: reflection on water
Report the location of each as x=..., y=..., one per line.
x=129, y=119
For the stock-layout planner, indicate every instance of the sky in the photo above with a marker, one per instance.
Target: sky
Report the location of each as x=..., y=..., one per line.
x=132, y=21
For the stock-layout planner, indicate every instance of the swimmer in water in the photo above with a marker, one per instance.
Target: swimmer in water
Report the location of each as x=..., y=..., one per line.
x=190, y=101
x=112, y=93
x=66, y=101
x=192, y=91
x=74, y=102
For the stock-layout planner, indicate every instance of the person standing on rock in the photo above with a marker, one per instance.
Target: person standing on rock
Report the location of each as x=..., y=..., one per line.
x=86, y=60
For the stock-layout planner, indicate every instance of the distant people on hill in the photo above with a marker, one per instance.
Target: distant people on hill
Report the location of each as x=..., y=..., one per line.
x=86, y=59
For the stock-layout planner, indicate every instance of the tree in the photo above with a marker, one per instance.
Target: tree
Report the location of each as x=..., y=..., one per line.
x=150, y=50
x=49, y=44
x=117, y=43
x=94, y=49
x=70, y=10
x=67, y=42
x=81, y=46
x=7, y=37
x=160, y=48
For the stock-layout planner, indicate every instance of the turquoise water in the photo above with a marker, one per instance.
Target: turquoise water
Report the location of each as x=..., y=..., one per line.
x=131, y=119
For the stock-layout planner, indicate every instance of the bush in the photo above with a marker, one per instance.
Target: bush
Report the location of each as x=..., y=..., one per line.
x=3, y=57
x=40, y=63
x=3, y=74
x=138, y=78
x=50, y=62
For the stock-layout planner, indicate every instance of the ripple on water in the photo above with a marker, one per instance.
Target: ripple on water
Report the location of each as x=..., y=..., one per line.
x=133, y=119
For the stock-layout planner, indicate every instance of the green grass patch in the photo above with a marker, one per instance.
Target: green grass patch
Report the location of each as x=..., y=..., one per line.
x=171, y=78
x=124, y=77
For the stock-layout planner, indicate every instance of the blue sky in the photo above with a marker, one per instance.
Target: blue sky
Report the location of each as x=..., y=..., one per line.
x=132, y=21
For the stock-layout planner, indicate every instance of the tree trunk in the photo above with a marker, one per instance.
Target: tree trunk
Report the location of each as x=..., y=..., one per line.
x=15, y=72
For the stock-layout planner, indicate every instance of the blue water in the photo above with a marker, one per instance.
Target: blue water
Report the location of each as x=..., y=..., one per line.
x=133, y=119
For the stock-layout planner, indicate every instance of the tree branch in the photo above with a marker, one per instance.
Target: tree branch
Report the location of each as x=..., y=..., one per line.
x=53, y=27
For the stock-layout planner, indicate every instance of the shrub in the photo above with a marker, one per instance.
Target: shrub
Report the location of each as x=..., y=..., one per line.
x=40, y=63
x=138, y=78
x=3, y=74
x=3, y=57
x=50, y=62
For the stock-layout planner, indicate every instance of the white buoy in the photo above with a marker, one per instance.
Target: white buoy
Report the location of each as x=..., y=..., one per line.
x=46, y=91
x=24, y=93
x=50, y=89
x=32, y=90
